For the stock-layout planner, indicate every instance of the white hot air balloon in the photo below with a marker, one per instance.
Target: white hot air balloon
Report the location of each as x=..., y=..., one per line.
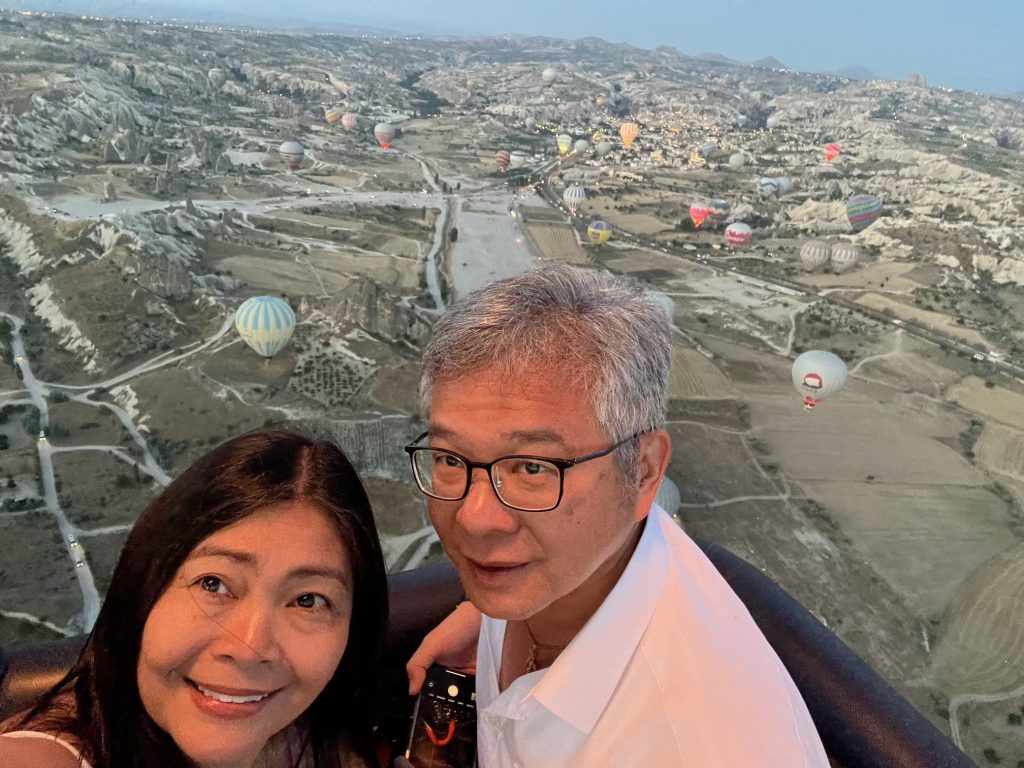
x=845, y=256
x=581, y=145
x=668, y=496
x=531, y=123
x=384, y=133
x=517, y=158
x=574, y=197
x=818, y=374
x=292, y=153
x=737, y=160
x=549, y=75
x=773, y=122
x=603, y=148
x=814, y=254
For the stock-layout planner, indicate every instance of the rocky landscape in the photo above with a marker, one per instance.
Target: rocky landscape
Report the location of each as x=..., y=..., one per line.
x=144, y=195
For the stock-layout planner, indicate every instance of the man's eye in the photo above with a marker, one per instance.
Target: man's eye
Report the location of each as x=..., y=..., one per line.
x=532, y=468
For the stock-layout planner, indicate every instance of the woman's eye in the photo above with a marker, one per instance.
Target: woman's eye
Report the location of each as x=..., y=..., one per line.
x=213, y=584
x=311, y=600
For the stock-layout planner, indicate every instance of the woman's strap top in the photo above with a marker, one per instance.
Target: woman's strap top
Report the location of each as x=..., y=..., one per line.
x=40, y=735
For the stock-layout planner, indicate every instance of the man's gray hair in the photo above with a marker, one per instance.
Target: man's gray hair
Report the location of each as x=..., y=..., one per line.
x=602, y=334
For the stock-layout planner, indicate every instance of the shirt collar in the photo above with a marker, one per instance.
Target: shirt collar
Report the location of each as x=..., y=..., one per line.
x=579, y=685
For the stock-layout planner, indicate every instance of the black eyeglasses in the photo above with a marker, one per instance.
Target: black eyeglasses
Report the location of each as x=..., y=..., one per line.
x=525, y=483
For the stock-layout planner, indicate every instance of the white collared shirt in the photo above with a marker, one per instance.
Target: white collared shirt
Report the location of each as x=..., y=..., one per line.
x=670, y=671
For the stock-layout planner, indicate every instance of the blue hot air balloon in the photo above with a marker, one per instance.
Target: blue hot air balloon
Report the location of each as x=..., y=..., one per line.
x=574, y=197
x=265, y=323
x=718, y=212
x=863, y=210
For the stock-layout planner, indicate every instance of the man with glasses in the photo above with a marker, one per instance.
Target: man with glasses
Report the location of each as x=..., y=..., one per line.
x=606, y=638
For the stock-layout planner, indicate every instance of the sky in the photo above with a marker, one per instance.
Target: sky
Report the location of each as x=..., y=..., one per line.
x=967, y=44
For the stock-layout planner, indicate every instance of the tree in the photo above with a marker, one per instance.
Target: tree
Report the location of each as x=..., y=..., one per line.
x=453, y=234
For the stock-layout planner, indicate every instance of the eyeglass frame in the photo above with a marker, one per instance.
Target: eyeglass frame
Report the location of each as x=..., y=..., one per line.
x=560, y=464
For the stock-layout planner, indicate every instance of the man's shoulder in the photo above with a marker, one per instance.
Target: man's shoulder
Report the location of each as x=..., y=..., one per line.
x=34, y=752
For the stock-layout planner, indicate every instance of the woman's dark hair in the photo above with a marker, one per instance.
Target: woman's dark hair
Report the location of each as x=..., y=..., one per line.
x=226, y=485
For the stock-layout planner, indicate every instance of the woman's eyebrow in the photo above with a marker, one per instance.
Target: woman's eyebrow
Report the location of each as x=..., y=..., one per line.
x=316, y=571
x=249, y=560
x=207, y=550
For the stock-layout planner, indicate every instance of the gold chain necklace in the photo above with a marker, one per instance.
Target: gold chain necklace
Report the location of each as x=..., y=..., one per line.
x=531, y=656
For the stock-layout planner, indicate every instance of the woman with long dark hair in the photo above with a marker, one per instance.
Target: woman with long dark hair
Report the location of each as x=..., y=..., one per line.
x=241, y=629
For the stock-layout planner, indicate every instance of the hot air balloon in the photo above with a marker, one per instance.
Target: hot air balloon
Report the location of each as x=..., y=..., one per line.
x=817, y=374
x=832, y=151
x=292, y=153
x=549, y=75
x=863, y=210
x=629, y=132
x=217, y=77
x=699, y=213
x=531, y=123
x=503, y=158
x=384, y=133
x=707, y=149
x=814, y=254
x=574, y=197
x=564, y=141
x=600, y=100
x=785, y=183
x=517, y=159
x=599, y=232
x=603, y=148
x=767, y=187
x=581, y=145
x=773, y=122
x=844, y=256
x=738, y=234
x=668, y=496
x=718, y=211
x=737, y=160
x=349, y=121
x=265, y=323
x=332, y=115
x=742, y=120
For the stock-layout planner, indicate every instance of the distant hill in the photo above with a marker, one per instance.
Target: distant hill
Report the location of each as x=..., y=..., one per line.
x=769, y=62
x=716, y=58
x=856, y=72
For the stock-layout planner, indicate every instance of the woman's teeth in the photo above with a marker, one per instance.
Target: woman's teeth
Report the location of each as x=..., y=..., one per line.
x=230, y=699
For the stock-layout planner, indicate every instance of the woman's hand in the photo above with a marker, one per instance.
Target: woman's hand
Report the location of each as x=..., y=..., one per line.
x=452, y=644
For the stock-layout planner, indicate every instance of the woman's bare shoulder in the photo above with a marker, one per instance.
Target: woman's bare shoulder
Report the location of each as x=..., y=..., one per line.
x=34, y=752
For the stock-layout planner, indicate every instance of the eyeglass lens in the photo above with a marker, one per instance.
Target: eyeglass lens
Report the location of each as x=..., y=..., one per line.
x=526, y=483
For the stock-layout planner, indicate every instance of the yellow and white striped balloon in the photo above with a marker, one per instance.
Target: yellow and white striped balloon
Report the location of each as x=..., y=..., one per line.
x=265, y=323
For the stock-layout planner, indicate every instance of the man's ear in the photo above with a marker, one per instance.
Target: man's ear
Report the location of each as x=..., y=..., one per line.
x=655, y=452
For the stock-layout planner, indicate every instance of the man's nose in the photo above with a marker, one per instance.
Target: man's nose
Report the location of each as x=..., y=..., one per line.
x=482, y=512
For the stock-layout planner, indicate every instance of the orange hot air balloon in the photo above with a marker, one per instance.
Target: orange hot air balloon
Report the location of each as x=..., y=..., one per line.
x=832, y=151
x=503, y=157
x=699, y=213
x=629, y=132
